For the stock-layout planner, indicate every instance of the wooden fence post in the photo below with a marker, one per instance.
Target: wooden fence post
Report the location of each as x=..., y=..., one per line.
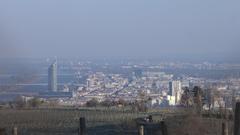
x=141, y=130
x=237, y=119
x=15, y=131
x=82, y=126
x=163, y=128
x=2, y=131
x=225, y=128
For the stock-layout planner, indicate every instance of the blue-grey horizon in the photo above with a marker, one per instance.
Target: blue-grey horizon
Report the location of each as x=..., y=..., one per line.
x=120, y=29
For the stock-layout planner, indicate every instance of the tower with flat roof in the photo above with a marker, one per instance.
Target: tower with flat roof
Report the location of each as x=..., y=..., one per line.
x=52, y=77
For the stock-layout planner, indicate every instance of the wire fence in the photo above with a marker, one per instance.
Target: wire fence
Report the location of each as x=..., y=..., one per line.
x=104, y=122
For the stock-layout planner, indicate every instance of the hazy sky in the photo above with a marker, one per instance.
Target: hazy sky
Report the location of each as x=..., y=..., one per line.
x=120, y=28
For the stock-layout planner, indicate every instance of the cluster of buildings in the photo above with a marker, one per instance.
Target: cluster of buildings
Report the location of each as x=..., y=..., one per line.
x=160, y=88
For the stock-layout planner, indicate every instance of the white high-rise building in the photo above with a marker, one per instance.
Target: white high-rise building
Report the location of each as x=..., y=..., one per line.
x=175, y=90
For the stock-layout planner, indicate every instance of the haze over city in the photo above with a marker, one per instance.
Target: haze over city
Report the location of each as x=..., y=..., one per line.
x=196, y=30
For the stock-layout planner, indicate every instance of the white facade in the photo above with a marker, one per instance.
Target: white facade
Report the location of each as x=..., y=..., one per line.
x=175, y=90
x=171, y=100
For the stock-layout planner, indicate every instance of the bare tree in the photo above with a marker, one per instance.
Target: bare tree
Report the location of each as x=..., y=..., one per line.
x=35, y=102
x=20, y=102
x=92, y=103
x=186, y=99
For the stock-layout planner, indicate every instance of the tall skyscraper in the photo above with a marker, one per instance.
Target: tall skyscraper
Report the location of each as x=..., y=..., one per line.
x=52, y=77
x=175, y=89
